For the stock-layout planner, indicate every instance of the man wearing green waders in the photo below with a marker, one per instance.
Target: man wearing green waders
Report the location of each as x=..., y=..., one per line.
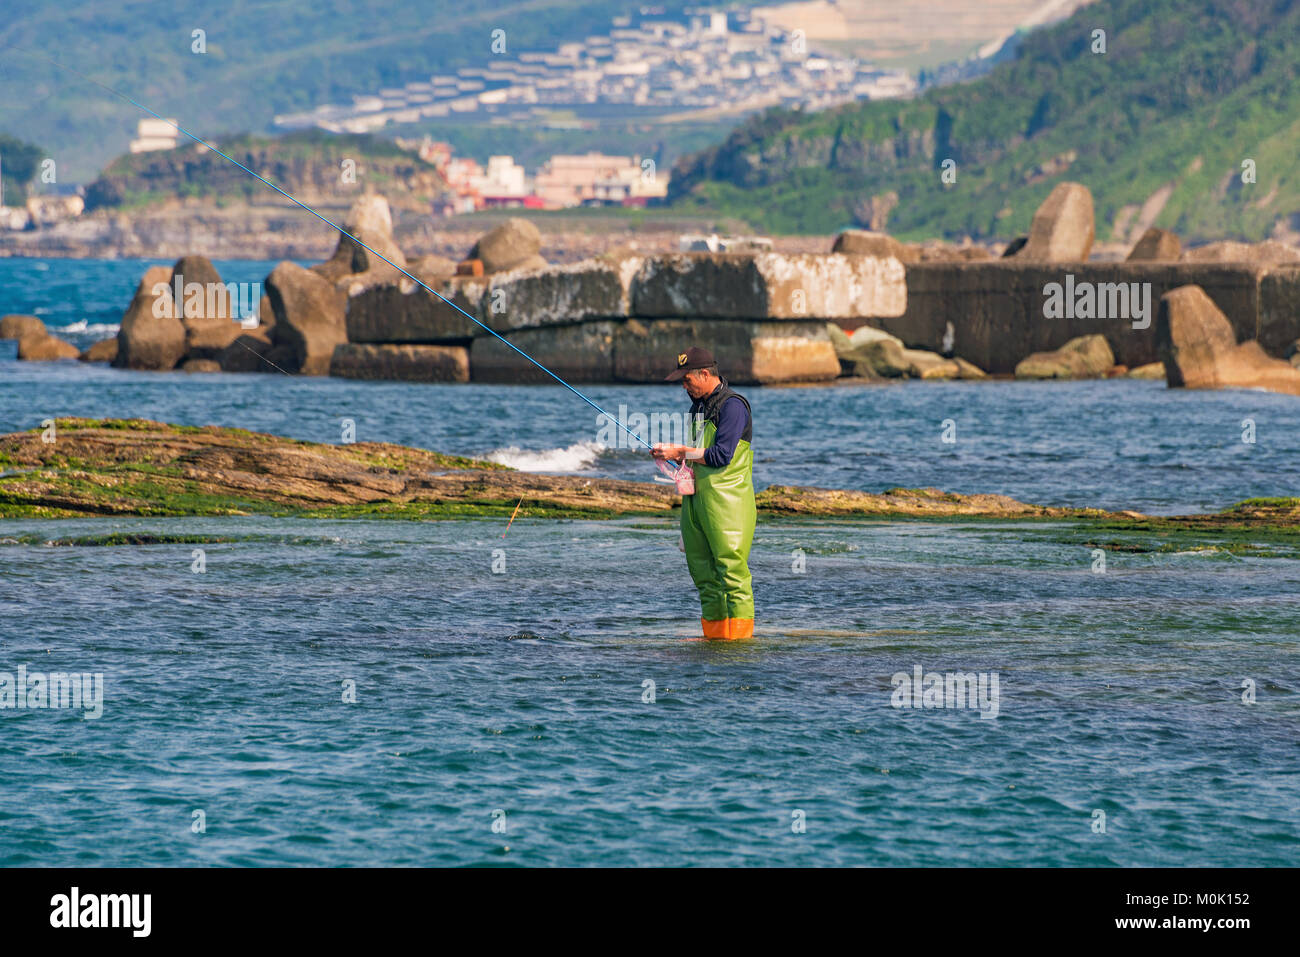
x=718, y=519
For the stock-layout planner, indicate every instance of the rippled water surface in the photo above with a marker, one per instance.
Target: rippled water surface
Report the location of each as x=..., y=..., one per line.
x=523, y=690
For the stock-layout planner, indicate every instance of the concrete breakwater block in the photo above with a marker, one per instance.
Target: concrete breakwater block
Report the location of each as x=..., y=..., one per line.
x=1156, y=245
x=404, y=311
x=687, y=286
x=309, y=318
x=997, y=313
x=1200, y=349
x=208, y=313
x=577, y=353
x=748, y=353
x=637, y=350
x=593, y=289
x=509, y=245
x=408, y=363
x=1278, y=323
x=1088, y=357
x=150, y=335
x=1062, y=230
x=15, y=327
x=769, y=286
x=371, y=221
x=42, y=346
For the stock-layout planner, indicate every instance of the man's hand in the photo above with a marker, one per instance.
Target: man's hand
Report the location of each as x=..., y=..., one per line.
x=676, y=453
x=666, y=450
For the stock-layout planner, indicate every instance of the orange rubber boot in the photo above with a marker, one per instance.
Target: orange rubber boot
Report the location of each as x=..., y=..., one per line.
x=714, y=629
x=740, y=628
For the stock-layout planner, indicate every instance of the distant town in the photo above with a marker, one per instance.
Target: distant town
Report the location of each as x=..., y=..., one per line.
x=591, y=179
x=648, y=65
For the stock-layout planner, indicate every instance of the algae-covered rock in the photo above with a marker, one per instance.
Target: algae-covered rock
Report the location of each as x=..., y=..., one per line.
x=1085, y=357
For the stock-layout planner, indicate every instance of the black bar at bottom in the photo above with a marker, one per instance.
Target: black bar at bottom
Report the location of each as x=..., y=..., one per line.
x=333, y=907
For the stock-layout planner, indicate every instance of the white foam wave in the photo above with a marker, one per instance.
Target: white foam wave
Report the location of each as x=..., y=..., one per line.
x=575, y=458
x=99, y=328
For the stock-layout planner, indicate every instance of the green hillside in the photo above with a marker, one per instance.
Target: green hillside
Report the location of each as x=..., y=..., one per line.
x=307, y=164
x=1186, y=90
x=263, y=58
x=19, y=165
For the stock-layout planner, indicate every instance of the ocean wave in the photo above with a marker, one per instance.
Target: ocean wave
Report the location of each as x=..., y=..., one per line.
x=98, y=329
x=575, y=458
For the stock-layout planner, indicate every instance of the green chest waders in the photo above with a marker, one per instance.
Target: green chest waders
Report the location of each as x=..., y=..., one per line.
x=717, y=531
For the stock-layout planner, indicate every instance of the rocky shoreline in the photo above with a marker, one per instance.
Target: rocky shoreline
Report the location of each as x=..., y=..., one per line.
x=269, y=231
x=136, y=467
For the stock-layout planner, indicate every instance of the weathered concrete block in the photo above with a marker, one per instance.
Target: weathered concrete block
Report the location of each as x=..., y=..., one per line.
x=200, y=365
x=371, y=221
x=43, y=347
x=594, y=289
x=206, y=308
x=431, y=268
x=408, y=363
x=868, y=353
x=309, y=318
x=577, y=353
x=1268, y=253
x=404, y=311
x=883, y=357
x=251, y=352
x=996, y=309
x=1062, y=229
x=1200, y=349
x=946, y=253
x=1152, y=370
x=747, y=352
x=1088, y=357
x=151, y=337
x=1279, y=309
x=864, y=242
x=768, y=286
x=508, y=246
x=103, y=351
x=930, y=365
x=265, y=314
x=15, y=327
x=968, y=370
x=1156, y=245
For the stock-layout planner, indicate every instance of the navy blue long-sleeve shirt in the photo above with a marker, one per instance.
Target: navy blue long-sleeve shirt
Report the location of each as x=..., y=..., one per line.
x=732, y=420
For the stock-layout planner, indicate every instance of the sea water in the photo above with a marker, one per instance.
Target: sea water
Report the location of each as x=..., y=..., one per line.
x=284, y=691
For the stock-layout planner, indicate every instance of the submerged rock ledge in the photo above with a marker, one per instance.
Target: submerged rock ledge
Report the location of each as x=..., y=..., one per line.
x=140, y=467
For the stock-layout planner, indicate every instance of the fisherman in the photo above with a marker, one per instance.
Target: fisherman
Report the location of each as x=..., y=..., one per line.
x=718, y=519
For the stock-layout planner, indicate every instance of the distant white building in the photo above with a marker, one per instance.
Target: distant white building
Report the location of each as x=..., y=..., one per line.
x=595, y=178
x=154, y=134
x=45, y=210
x=504, y=178
x=14, y=218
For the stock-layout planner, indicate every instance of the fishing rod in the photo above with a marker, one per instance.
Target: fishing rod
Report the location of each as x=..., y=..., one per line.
x=333, y=225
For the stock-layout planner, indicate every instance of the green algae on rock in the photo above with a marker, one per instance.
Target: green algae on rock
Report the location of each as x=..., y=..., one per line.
x=145, y=468
x=138, y=467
